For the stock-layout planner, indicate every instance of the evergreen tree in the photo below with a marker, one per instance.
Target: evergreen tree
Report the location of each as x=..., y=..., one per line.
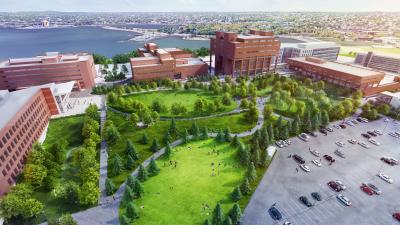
x=131, y=150
x=168, y=151
x=235, y=141
x=207, y=222
x=235, y=214
x=130, y=163
x=153, y=169
x=284, y=132
x=144, y=140
x=295, y=126
x=220, y=136
x=116, y=165
x=271, y=134
x=243, y=155
x=172, y=128
x=307, y=126
x=185, y=136
x=131, y=211
x=256, y=156
x=251, y=172
x=204, y=133
x=137, y=189
x=228, y=221
x=124, y=220
x=131, y=182
x=110, y=187
x=167, y=138
x=227, y=135
x=255, y=137
x=127, y=196
x=155, y=146
x=218, y=215
x=195, y=130
x=279, y=123
x=236, y=194
x=245, y=187
x=142, y=173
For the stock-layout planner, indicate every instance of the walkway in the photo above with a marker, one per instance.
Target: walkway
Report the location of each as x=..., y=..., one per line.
x=103, y=155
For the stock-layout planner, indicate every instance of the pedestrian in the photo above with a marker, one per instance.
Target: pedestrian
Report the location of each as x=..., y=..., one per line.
x=114, y=197
x=297, y=170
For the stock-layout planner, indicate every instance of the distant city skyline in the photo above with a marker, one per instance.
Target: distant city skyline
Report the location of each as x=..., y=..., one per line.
x=198, y=5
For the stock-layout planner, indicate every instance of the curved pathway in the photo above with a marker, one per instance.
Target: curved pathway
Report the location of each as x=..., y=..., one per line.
x=107, y=211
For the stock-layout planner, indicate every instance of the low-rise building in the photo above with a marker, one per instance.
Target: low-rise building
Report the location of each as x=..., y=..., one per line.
x=322, y=49
x=379, y=61
x=53, y=67
x=24, y=119
x=158, y=63
x=393, y=99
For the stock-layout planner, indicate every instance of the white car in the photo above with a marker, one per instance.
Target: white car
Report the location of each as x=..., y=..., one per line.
x=304, y=137
x=340, y=183
x=344, y=199
x=280, y=144
x=385, y=178
x=287, y=223
x=305, y=167
x=350, y=123
x=336, y=126
x=316, y=162
x=352, y=141
x=378, y=132
x=394, y=135
x=340, y=153
x=339, y=143
x=315, y=153
x=374, y=142
x=329, y=129
x=363, y=144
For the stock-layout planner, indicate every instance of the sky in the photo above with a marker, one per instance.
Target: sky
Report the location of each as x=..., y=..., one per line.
x=197, y=5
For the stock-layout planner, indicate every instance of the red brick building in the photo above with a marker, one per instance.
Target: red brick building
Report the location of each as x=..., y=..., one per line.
x=53, y=67
x=361, y=78
x=24, y=117
x=158, y=63
x=244, y=54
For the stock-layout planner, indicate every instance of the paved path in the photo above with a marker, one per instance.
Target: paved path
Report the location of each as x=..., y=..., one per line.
x=103, y=157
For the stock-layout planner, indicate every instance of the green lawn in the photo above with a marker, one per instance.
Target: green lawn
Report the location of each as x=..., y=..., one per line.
x=157, y=131
x=176, y=195
x=347, y=49
x=68, y=128
x=185, y=97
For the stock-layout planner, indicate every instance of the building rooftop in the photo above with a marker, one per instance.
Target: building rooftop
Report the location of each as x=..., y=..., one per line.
x=191, y=61
x=395, y=95
x=344, y=68
x=39, y=59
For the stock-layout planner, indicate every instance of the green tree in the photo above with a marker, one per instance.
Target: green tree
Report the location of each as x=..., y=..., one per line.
x=271, y=133
x=252, y=114
x=110, y=187
x=155, y=146
x=228, y=221
x=227, y=135
x=236, y=194
x=194, y=130
x=220, y=136
x=264, y=138
x=130, y=163
x=66, y=219
x=131, y=211
x=204, y=133
x=207, y=222
x=144, y=140
x=142, y=174
x=111, y=134
x=168, y=151
x=128, y=196
x=172, y=128
x=227, y=99
x=235, y=214
x=268, y=112
x=235, y=141
x=153, y=169
x=245, y=187
x=35, y=174
x=137, y=189
x=251, y=172
x=89, y=193
x=243, y=155
x=185, y=136
x=218, y=215
x=134, y=119
x=116, y=165
x=167, y=137
x=131, y=181
x=131, y=150
x=124, y=220
x=244, y=104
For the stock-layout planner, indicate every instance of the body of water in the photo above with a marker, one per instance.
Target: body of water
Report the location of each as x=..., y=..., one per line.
x=28, y=42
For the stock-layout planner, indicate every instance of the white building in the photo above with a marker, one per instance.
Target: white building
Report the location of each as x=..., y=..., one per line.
x=390, y=98
x=320, y=49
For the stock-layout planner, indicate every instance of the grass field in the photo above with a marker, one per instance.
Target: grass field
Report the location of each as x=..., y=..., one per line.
x=185, y=97
x=176, y=195
x=68, y=128
x=157, y=131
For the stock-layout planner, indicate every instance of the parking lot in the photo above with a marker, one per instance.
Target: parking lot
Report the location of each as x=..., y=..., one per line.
x=282, y=184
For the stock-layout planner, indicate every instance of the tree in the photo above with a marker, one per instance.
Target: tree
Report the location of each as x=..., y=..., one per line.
x=168, y=151
x=131, y=150
x=167, y=137
x=185, y=136
x=66, y=219
x=243, y=155
x=228, y=221
x=251, y=172
x=235, y=141
x=131, y=211
x=285, y=132
x=116, y=165
x=130, y=163
x=89, y=193
x=218, y=215
x=227, y=135
x=172, y=128
x=110, y=187
x=236, y=194
x=220, y=136
x=271, y=133
x=142, y=174
x=144, y=140
x=92, y=111
x=204, y=133
x=124, y=220
x=128, y=196
x=244, y=104
x=307, y=124
x=35, y=174
x=131, y=181
x=268, y=111
x=137, y=189
x=207, y=222
x=155, y=146
x=194, y=130
x=245, y=187
x=252, y=114
x=153, y=169
x=134, y=119
x=111, y=134
x=235, y=214
x=264, y=138
x=227, y=99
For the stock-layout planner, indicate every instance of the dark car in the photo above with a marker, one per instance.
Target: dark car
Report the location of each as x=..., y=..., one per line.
x=359, y=119
x=298, y=159
x=304, y=200
x=396, y=216
x=329, y=158
x=342, y=126
x=275, y=214
x=313, y=134
x=316, y=196
x=371, y=133
x=366, y=135
x=334, y=186
x=323, y=130
x=389, y=161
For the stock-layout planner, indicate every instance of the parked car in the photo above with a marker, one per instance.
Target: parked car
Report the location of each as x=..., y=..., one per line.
x=378, y=132
x=329, y=158
x=359, y=119
x=298, y=159
x=304, y=137
x=394, y=135
x=305, y=168
x=336, y=126
x=354, y=121
x=363, y=144
x=339, y=143
x=305, y=201
x=349, y=123
x=371, y=133
x=385, y=178
x=375, y=189
x=287, y=223
x=314, y=134
x=275, y=214
x=316, y=162
x=341, y=185
x=315, y=152
x=352, y=141
x=344, y=199
x=340, y=153
x=390, y=161
x=366, y=135
x=342, y=126
x=316, y=196
x=324, y=131
x=329, y=129
x=366, y=189
x=396, y=216
x=280, y=144
x=373, y=141
x=334, y=186
x=365, y=120
x=288, y=142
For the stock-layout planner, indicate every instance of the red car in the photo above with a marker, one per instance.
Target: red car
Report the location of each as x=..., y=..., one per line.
x=342, y=126
x=329, y=158
x=365, y=188
x=396, y=216
x=334, y=186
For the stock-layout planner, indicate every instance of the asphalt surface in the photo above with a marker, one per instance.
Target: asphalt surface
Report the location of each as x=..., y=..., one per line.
x=283, y=185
